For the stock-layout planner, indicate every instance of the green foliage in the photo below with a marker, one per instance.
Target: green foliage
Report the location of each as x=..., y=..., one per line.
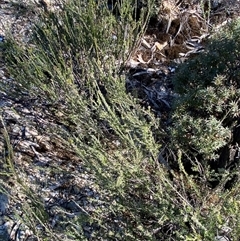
x=207, y=108
x=221, y=57
x=204, y=135
x=75, y=61
x=76, y=57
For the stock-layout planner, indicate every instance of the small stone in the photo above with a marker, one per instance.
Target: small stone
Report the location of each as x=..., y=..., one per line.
x=3, y=202
x=4, y=235
x=76, y=190
x=73, y=206
x=2, y=38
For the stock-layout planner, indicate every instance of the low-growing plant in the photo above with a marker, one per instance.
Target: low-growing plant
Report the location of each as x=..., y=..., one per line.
x=75, y=62
x=207, y=109
x=76, y=58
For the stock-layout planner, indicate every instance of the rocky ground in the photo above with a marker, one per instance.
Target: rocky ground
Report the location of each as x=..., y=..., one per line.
x=46, y=163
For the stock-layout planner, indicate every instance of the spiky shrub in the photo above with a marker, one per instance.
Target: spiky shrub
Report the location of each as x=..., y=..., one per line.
x=207, y=109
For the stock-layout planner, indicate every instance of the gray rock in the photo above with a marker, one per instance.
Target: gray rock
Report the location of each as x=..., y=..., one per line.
x=4, y=235
x=4, y=202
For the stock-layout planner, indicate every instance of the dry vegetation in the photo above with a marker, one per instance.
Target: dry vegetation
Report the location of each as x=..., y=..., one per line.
x=116, y=129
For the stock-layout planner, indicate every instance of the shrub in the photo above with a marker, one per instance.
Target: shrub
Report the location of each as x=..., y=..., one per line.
x=75, y=59
x=75, y=62
x=206, y=111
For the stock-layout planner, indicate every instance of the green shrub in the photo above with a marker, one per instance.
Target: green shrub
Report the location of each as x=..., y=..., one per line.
x=207, y=109
x=74, y=62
